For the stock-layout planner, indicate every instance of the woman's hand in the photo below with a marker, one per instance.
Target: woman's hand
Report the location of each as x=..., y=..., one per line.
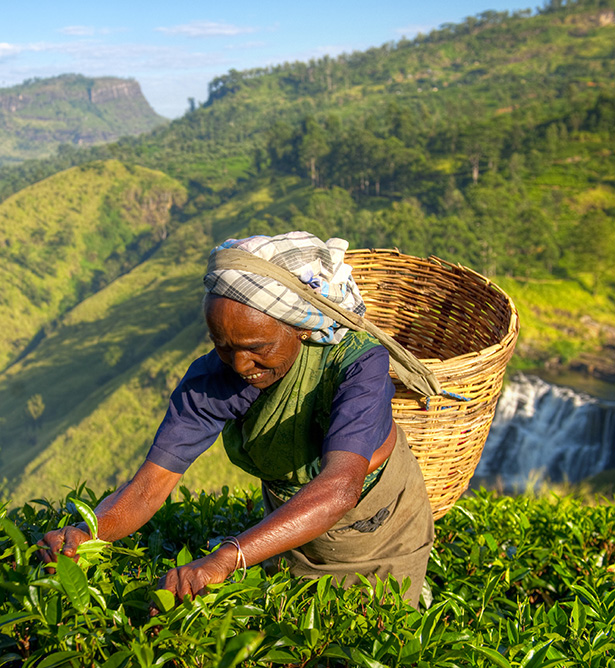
x=191, y=579
x=119, y=514
x=62, y=541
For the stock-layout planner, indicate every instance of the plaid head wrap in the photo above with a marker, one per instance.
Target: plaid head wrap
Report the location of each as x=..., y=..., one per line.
x=314, y=262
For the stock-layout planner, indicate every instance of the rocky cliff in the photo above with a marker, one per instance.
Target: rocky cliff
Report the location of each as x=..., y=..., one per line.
x=39, y=115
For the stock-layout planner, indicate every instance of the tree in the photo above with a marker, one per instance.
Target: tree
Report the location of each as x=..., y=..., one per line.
x=593, y=246
x=35, y=407
x=280, y=146
x=313, y=146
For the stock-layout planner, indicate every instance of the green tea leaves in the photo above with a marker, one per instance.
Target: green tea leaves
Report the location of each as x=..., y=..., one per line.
x=504, y=588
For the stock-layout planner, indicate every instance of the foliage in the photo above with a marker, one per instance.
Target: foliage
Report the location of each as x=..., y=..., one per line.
x=560, y=315
x=513, y=582
x=105, y=373
x=499, y=130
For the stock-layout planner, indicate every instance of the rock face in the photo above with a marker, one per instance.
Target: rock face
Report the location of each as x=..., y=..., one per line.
x=39, y=115
x=599, y=365
x=103, y=91
x=31, y=98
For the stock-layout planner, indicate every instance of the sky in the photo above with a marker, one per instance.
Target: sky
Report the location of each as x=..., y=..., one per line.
x=174, y=48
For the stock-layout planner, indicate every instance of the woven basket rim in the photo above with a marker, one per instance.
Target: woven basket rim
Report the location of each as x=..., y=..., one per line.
x=513, y=323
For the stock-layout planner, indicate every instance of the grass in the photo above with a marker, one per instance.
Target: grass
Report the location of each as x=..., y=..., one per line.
x=106, y=341
x=105, y=371
x=559, y=318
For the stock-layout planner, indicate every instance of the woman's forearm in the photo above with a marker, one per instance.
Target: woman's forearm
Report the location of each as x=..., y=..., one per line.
x=135, y=502
x=308, y=514
x=298, y=521
x=311, y=512
x=121, y=513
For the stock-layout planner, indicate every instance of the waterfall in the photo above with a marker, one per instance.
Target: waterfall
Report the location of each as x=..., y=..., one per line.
x=547, y=432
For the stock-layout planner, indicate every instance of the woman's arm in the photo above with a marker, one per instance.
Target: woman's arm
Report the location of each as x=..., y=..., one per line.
x=119, y=514
x=307, y=515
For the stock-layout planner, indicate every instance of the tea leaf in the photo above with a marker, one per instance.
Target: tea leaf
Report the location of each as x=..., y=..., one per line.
x=88, y=515
x=163, y=600
x=494, y=656
x=58, y=659
x=579, y=616
x=184, y=557
x=74, y=583
x=241, y=648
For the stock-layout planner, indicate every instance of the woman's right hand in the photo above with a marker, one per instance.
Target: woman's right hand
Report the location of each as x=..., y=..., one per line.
x=119, y=514
x=62, y=541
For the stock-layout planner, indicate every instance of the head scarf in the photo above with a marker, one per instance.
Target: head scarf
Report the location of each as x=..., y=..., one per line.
x=314, y=262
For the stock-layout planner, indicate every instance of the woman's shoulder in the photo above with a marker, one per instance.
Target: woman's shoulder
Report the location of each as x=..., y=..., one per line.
x=354, y=346
x=206, y=365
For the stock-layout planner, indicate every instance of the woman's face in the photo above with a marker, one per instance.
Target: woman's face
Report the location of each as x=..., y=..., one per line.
x=256, y=346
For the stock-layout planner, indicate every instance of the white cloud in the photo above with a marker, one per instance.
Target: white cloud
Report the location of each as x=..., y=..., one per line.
x=246, y=45
x=78, y=31
x=207, y=29
x=96, y=57
x=7, y=50
x=88, y=31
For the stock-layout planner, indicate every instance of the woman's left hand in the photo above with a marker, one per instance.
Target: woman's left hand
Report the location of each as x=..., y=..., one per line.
x=192, y=578
x=308, y=514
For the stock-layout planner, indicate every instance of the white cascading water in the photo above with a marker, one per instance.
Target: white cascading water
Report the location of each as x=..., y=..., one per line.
x=546, y=432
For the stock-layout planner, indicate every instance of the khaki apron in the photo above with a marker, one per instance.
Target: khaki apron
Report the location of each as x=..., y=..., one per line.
x=389, y=531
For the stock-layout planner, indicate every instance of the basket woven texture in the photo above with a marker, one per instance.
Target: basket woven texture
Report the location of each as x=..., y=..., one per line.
x=462, y=327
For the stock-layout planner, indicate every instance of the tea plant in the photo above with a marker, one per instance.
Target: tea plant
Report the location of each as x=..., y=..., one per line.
x=512, y=582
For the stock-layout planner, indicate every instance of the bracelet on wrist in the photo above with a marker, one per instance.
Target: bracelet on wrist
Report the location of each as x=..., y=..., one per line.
x=240, y=561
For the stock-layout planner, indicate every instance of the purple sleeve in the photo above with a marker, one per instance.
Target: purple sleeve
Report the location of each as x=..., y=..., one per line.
x=207, y=396
x=361, y=415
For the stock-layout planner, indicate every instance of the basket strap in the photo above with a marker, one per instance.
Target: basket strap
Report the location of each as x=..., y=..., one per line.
x=410, y=370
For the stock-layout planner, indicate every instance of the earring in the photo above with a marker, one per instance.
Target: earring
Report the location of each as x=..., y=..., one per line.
x=305, y=336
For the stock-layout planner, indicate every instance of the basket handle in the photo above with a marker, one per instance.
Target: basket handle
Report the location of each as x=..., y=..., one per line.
x=410, y=370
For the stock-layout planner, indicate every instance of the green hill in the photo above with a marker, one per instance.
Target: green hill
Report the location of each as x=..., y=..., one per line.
x=69, y=235
x=488, y=143
x=41, y=114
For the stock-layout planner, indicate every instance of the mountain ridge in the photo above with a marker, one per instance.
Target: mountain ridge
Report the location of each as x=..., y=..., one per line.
x=39, y=115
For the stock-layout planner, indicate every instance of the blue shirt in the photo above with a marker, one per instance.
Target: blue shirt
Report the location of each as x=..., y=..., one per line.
x=211, y=393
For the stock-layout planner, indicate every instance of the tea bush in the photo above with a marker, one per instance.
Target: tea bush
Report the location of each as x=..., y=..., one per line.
x=512, y=582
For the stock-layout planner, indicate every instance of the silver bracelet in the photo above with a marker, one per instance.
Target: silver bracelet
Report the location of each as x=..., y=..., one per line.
x=240, y=562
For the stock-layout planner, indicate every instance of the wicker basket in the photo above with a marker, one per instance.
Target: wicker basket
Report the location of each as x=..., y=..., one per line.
x=463, y=328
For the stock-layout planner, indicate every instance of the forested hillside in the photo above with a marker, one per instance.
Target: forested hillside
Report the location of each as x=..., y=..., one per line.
x=488, y=143
x=40, y=115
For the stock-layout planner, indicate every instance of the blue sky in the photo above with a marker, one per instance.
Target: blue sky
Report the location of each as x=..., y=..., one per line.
x=173, y=48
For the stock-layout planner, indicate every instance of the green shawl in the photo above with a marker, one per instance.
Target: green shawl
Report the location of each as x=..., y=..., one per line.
x=280, y=437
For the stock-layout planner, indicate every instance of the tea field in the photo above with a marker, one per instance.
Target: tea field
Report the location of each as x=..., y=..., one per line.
x=512, y=582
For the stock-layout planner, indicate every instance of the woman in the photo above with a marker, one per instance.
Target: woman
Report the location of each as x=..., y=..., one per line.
x=303, y=403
